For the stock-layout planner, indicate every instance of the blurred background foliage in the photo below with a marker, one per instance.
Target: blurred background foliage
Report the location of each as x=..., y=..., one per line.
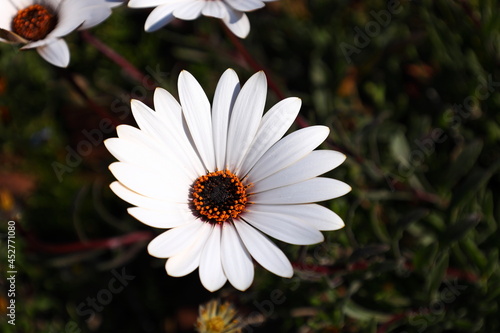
x=410, y=90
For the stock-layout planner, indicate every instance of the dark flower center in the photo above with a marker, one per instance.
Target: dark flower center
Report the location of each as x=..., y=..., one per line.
x=34, y=22
x=218, y=197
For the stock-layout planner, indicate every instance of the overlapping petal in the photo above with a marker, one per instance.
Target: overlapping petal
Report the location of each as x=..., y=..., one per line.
x=189, y=259
x=212, y=275
x=316, y=163
x=287, y=151
x=236, y=261
x=264, y=251
x=175, y=240
x=245, y=119
x=56, y=53
x=311, y=190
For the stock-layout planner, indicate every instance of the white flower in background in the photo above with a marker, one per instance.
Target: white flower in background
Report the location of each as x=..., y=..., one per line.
x=41, y=24
x=231, y=12
x=221, y=177
x=114, y=3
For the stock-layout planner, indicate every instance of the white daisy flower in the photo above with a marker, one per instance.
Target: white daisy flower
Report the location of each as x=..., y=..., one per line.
x=221, y=178
x=231, y=12
x=41, y=24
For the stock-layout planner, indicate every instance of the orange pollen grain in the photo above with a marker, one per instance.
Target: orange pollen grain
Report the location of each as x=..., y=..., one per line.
x=218, y=197
x=34, y=22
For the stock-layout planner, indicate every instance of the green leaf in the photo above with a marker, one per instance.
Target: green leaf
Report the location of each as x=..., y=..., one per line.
x=400, y=149
x=492, y=264
x=359, y=312
x=463, y=163
x=458, y=230
x=411, y=217
x=437, y=273
x=474, y=253
x=425, y=256
x=476, y=180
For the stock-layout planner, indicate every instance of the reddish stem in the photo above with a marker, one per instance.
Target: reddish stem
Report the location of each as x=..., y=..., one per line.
x=95, y=107
x=114, y=56
x=362, y=265
x=107, y=243
x=301, y=122
x=397, y=317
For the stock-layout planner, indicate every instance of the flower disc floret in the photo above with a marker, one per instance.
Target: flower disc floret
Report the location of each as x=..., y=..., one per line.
x=34, y=22
x=218, y=197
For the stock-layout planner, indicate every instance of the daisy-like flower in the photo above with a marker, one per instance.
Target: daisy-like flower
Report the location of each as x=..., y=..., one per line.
x=218, y=318
x=231, y=12
x=222, y=177
x=41, y=24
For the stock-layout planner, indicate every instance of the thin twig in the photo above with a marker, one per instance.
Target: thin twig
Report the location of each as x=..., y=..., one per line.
x=107, y=243
x=114, y=56
x=100, y=111
x=301, y=122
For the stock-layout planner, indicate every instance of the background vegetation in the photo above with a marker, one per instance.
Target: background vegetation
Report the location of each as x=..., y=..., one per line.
x=410, y=90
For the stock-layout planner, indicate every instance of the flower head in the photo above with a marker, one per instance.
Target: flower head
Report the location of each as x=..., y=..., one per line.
x=41, y=24
x=231, y=12
x=221, y=177
x=218, y=318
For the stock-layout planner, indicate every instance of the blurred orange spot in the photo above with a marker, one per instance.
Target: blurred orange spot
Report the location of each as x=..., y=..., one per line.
x=296, y=8
x=421, y=72
x=3, y=305
x=6, y=200
x=347, y=86
x=3, y=85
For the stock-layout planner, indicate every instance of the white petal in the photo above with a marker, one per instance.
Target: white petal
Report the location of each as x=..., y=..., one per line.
x=171, y=215
x=167, y=107
x=283, y=227
x=133, y=134
x=151, y=3
x=245, y=5
x=50, y=3
x=135, y=198
x=175, y=240
x=56, y=53
x=175, y=143
x=236, y=260
x=245, y=119
x=39, y=43
x=190, y=10
x=68, y=18
x=214, y=9
x=159, y=17
x=312, y=190
x=264, y=251
x=227, y=89
x=95, y=15
x=196, y=110
x=114, y=3
x=151, y=183
x=315, y=215
x=316, y=163
x=273, y=126
x=188, y=260
x=237, y=22
x=211, y=273
x=140, y=155
x=9, y=11
x=288, y=150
